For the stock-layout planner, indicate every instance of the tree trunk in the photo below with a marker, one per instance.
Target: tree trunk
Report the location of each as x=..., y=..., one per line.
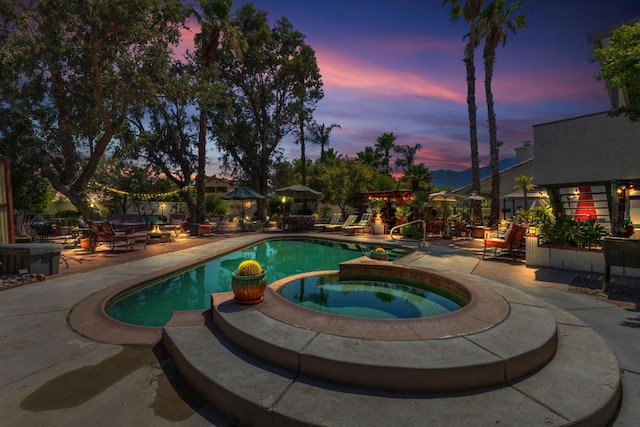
x=202, y=161
x=476, y=205
x=494, y=146
x=303, y=157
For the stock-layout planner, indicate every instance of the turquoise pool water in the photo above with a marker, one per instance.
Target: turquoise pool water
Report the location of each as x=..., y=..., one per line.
x=153, y=305
x=368, y=298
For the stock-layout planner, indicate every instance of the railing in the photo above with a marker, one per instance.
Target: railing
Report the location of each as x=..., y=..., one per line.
x=424, y=229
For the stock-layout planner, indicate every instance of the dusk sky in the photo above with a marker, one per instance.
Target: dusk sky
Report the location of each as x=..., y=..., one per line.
x=396, y=66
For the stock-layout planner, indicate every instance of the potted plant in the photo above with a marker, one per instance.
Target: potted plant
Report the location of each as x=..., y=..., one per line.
x=248, y=282
x=379, y=254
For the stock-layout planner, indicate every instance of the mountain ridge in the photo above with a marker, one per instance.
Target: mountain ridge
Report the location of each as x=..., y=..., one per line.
x=446, y=178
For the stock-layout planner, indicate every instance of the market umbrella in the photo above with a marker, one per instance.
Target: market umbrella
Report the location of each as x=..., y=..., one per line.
x=242, y=193
x=299, y=192
x=444, y=197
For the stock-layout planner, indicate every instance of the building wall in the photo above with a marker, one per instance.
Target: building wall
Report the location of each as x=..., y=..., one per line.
x=594, y=148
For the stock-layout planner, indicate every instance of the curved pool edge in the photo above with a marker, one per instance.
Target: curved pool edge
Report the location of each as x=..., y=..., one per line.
x=486, y=309
x=89, y=317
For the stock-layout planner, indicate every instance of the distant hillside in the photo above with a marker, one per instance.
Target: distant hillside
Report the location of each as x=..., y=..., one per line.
x=452, y=179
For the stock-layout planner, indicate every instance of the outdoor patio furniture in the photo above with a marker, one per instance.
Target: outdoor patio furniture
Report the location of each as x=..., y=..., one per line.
x=298, y=222
x=511, y=242
x=362, y=225
x=351, y=219
x=103, y=232
x=175, y=224
x=128, y=223
x=205, y=229
x=335, y=219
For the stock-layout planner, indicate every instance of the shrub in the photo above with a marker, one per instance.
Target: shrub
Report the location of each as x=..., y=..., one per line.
x=412, y=231
x=567, y=231
x=249, y=267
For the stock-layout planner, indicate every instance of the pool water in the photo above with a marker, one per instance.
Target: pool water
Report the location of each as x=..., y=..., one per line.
x=370, y=299
x=153, y=305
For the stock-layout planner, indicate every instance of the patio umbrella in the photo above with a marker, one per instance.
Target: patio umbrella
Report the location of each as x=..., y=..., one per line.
x=242, y=193
x=444, y=197
x=299, y=192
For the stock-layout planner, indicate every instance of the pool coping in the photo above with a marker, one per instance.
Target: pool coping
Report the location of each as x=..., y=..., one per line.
x=90, y=319
x=486, y=308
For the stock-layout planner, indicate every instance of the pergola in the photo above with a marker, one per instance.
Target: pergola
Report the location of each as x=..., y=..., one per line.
x=401, y=197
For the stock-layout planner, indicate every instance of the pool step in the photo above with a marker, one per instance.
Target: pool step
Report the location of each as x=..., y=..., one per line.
x=580, y=385
x=492, y=357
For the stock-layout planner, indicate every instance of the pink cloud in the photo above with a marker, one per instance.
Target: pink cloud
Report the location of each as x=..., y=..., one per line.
x=339, y=71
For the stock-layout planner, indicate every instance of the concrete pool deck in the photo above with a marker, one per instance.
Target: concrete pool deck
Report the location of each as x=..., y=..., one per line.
x=52, y=375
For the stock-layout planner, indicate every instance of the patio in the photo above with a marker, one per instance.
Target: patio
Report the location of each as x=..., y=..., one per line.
x=46, y=363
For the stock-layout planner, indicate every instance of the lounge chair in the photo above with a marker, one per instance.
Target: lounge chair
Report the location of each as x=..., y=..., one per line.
x=511, y=241
x=351, y=219
x=103, y=232
x=335, y=219
x=362, y=225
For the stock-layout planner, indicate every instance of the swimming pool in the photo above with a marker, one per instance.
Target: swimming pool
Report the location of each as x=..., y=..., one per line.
x=153, y=305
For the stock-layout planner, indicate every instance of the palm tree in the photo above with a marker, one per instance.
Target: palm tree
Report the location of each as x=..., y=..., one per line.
x=495, y=24
x=216, y=28
x=319, y=134
x=416, y=175
x=524, y=183
x=408, y=154
x=368, y=157
x=470, y=11
x=385, y=144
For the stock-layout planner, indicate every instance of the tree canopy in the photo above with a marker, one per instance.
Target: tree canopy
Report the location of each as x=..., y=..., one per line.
x=262, y=96
x=71, y=72
x=620, y=67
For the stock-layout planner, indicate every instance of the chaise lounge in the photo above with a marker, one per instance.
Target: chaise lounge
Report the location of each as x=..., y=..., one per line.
x=103, y=233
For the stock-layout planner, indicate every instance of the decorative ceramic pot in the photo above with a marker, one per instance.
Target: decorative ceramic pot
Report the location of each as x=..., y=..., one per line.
x=248, y=289
x=88, y=244
x=381, y=256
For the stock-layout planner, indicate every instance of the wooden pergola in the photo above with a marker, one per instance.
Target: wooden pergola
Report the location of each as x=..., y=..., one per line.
x=401, y=197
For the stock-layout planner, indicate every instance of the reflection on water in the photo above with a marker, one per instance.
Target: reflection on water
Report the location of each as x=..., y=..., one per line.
x=153, y=305
x=371, y=299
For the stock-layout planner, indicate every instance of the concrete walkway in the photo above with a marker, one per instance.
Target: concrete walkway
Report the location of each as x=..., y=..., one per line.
x=51, y=375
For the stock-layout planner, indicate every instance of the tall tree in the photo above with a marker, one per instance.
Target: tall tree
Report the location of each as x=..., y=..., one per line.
x=619, y=66
x=217, y=33
x=470, y=12
x=525, y=184
x=167, y=134
x=308, y=94
x=319, y=134
x=262, y=96
x=495, y=24
x=385, y=144
x=71, y=71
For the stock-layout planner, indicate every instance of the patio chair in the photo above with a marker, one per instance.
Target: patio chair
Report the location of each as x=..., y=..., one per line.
x=351, y=219
x=362, y=225
x=103, y=232
x=335, y=219
x=511, y=242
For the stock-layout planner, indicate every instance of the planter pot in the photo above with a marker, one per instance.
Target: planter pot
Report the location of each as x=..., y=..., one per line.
x=379, y=256
x=248, y=290
x=88, y=244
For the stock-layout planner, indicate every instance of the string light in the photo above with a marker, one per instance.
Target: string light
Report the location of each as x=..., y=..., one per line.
x=140, y=196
